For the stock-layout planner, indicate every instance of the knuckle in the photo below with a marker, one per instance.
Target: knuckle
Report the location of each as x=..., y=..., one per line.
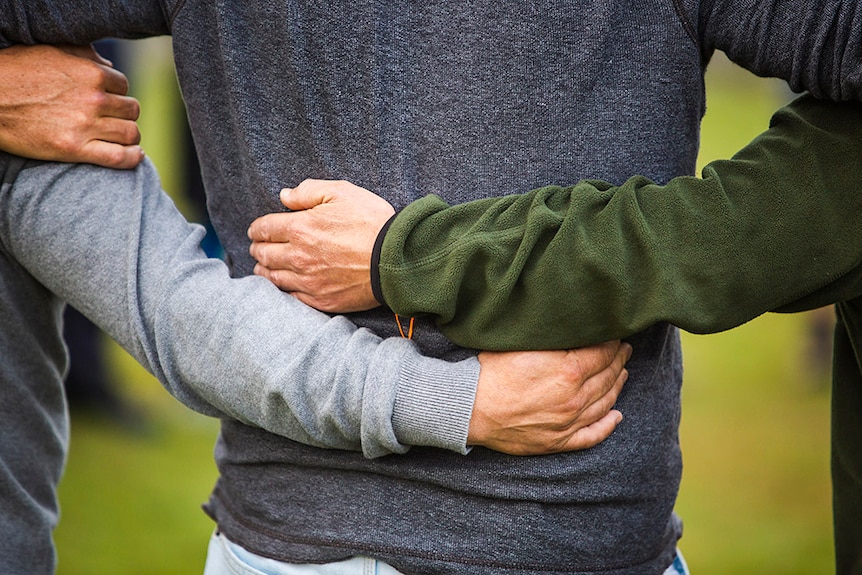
x=315, y=284
x=260, y=253
x=272, y=256
x=307, y=183
x=303, y=261
x=122, y=83
x=280, y=278
x=67, y=143
x=300, y=228
x=261, y=230
x=114, y=157
x=576, y=371
x=132, y=134
x=91, y=74
x=96, y=100
x=557, y=444
x=134, y=109
x=570, y=409
x=306, y=299
x=577, y=405
x=263, y=271
x=322, y=303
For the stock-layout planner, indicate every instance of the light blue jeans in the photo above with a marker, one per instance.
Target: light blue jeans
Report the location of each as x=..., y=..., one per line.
x=227, y=558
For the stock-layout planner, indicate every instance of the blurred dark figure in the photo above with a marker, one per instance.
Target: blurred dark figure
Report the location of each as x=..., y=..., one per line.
x=87, y=381
x=820, y=328
x=193, y=188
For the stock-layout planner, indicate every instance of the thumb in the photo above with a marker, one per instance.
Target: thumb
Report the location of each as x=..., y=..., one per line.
x=87, y=51
x=111, y=155
x=302, y=197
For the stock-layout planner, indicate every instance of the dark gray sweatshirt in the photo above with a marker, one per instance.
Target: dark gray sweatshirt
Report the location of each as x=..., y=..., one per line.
x=465, y=100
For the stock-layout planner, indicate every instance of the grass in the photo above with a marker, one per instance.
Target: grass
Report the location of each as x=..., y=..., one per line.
x=131, y=500
x=756, y=492
x=755, y=496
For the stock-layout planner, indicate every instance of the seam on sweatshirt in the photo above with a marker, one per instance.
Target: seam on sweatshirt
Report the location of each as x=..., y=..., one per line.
x=686, y=22
x=400, y=550
x=172, y=14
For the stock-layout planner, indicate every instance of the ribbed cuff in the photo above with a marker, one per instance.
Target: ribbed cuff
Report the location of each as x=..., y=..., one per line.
x=376, y=288
x=434, y=405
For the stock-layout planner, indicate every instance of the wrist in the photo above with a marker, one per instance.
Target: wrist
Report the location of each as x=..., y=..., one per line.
x=434, y=404
x=376, y=288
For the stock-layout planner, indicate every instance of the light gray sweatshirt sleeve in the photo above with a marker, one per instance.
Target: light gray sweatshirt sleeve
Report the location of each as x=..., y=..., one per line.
x=112, y=244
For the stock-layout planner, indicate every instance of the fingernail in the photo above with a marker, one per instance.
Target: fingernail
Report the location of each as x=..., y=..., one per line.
x=285, y=192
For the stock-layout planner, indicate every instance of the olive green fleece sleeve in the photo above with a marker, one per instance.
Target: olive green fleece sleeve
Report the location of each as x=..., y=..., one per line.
x=779, y=224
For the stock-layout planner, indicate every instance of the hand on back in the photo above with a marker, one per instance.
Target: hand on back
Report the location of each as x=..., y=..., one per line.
x=538, y=402
x=320, y=252
x=66, y=103
x=527, y=403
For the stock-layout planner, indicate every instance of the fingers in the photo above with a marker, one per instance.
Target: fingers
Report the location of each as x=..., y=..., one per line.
x=114, y=140
x=306, y=288
x=531, y=403
x=601, y=402
x=270, y=228
x=114, y=81
x=308, y=193
x=116, y=130
x=122, y=107
x=589, y=361
x=270, y=255
x=592, y=424
x=282, y=241
x=600, y=391
x=274, y=244
x=606, y=380
x=103, y=74
x=594, y=371
x=593, y=434
x=111, y=155
x=108, y=97
x=322, y=296
x=286, y=280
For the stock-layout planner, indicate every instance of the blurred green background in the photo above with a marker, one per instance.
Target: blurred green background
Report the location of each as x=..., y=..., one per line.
x=755, y=496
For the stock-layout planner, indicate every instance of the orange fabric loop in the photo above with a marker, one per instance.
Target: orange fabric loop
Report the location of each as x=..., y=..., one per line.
x=401, y=329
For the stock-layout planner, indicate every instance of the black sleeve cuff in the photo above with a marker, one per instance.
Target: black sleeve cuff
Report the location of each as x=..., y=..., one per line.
x=375, y=261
